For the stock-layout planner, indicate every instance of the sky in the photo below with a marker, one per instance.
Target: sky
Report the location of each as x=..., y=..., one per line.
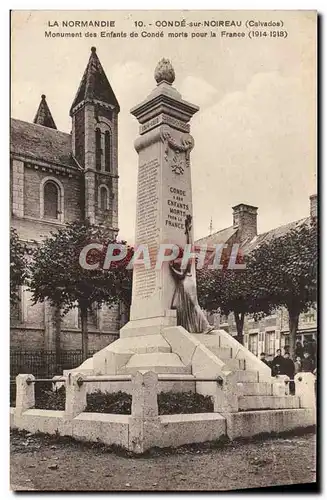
x=255, y=133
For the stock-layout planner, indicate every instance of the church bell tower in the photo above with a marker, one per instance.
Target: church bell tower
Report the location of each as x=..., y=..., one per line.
x=94, y=114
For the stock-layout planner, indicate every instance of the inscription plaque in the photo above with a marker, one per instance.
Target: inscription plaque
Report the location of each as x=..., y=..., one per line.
x=146, y=225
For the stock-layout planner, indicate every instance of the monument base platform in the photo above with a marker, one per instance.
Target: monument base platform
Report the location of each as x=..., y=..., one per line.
x=247, y=401
x=165, y=430
x=148, y=345
x=248, y=384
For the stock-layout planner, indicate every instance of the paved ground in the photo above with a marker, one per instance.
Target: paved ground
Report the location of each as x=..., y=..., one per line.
x=48, y=464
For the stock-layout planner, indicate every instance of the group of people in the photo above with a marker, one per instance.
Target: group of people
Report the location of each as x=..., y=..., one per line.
x=305, y=361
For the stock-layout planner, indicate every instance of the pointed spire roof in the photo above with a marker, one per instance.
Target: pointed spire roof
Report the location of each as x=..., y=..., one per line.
x=43, y=115
x=95, y=84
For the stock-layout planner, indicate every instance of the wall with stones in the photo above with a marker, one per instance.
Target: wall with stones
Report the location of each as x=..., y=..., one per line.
x=23, y=338
x=72, y=340
x=248, y=225
x=32, y=196
x=32, y=181
x=79, y=136
x=115, y=171
x=110, y=318
x=74, y=193
x=32, y=314
x=104, y=215
x=17, y=187
x=31, y=327
x=109, y=216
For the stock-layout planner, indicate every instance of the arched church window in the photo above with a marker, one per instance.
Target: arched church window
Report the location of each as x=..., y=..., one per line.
x=51, y=200
x=98, y=151
x=103, y=198
x=107, y=145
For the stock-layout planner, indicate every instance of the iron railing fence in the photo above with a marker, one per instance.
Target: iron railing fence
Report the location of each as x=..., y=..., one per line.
x=43, y=364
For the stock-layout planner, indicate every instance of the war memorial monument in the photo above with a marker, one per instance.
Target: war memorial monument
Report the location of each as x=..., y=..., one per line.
x=168, y=344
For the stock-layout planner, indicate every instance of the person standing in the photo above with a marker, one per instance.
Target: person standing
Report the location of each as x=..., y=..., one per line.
x=299, y=350
x=277, y=364
x=288, y=369
x=307, y=362
x=298, y=365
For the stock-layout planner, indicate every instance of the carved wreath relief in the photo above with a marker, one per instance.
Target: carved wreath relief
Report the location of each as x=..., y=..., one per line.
x=177, y=155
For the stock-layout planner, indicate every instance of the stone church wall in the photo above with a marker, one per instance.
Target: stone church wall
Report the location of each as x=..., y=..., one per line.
x=33, y=197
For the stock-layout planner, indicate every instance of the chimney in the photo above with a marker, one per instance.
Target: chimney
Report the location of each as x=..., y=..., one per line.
x=245, y=220
x=313, y=206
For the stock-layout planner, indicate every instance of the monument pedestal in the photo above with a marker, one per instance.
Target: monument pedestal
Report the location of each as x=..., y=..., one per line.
x=149, y=326
x=164, y=201
x=151, y=340
x=245, y=398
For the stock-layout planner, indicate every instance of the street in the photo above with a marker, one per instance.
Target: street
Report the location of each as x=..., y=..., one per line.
x=50, y=464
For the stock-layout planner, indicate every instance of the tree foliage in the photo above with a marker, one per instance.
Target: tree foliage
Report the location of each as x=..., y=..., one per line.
x=18, y=265
x=284, y=270
x=280, y=272
x=231, y=291
x=57, y=275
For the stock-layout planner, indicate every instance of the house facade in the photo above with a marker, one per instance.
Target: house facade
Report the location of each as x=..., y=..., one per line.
x=58, y=177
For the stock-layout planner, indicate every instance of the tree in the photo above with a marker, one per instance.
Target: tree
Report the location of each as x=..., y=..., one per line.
x=280, y=272
x=18, y=266
x=284, y=270
x=230, y=291
x=56, y=273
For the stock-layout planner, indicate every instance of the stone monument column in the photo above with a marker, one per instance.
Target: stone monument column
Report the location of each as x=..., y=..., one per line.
x=164, y=198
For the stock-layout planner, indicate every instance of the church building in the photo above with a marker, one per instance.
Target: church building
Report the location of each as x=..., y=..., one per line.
x=55, y=178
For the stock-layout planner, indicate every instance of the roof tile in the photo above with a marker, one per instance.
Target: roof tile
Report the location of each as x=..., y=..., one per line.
x=221, y=236
x=273, y=233
x=43, y=115
x=41, y=143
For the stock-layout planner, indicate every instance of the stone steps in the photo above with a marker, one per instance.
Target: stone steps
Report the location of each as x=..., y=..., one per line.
x=254, y=395
x=211, y=339
x=212, y=342
x=221, y=352
x=157, y=362
x=247, y=403
x=251, y=423
x=142, y=344
x=234, y=364
x=255, y=388
x=246, y=375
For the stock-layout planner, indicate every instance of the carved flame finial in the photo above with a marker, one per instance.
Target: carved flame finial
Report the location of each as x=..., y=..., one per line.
x=164, y=72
